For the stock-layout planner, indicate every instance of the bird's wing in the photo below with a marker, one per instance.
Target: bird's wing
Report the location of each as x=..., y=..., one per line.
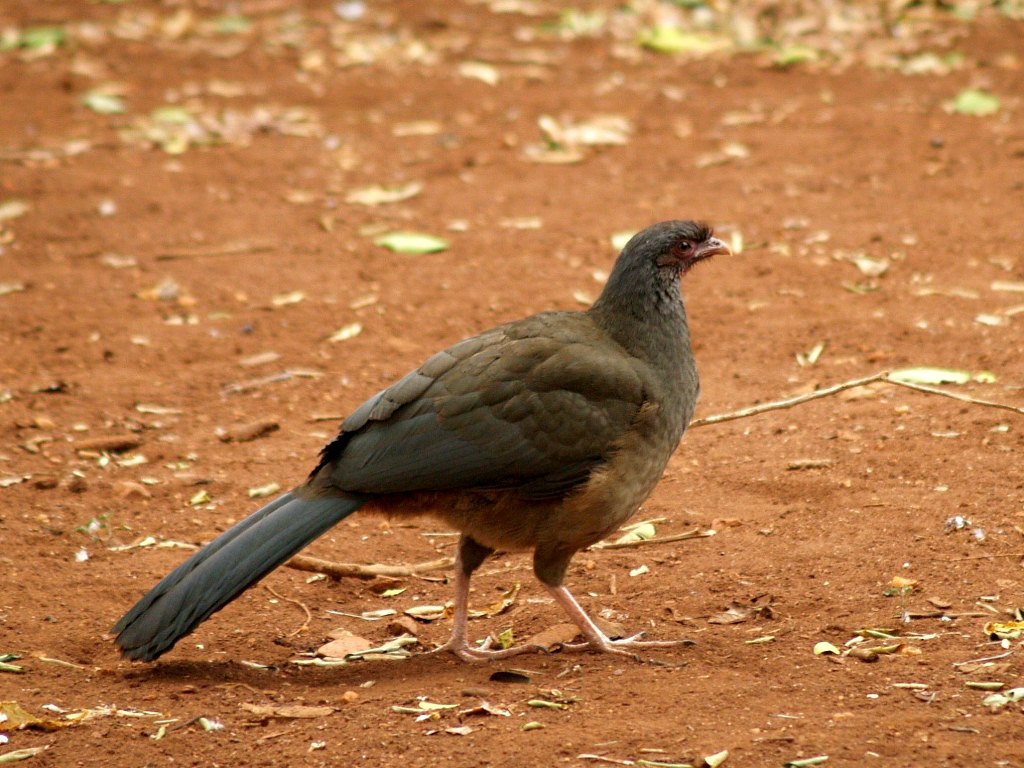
x=534, y=405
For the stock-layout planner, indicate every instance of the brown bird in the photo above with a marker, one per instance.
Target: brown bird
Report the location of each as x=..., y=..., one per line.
x=543, y=434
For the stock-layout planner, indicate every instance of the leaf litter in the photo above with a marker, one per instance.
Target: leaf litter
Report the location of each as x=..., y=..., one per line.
x=232, y=28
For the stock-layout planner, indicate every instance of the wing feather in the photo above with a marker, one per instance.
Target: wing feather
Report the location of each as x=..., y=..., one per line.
x=535, y=405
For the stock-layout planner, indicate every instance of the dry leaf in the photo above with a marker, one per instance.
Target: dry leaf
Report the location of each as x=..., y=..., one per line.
x=288, y=711
x=380, y=195
x=343, y=645
x=346, y=332
x=477, y=70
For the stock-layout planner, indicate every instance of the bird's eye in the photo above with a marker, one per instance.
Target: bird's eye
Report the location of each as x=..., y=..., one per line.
x=685, y=245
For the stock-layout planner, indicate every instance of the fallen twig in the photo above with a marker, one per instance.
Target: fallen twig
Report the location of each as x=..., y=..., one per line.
x=789, y=402
x=227, y=249
x=982, y=660
x=979, y=557
x=309, y=615
x=883, y=376
x=371, y=571
x=954, y=395
x=247, y=386
x=696, y=533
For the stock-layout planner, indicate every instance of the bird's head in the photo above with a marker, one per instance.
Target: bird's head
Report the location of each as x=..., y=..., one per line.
x=673, y=247
x=647, y=272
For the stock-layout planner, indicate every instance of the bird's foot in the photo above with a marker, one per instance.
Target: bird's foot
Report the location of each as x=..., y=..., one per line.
x=622, y=646
x=483, y=652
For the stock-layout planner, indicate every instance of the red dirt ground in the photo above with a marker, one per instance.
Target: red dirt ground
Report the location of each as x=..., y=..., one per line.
x=823, y=162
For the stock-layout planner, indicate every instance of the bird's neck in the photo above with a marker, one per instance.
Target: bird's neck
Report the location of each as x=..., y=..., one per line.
x=649, y=321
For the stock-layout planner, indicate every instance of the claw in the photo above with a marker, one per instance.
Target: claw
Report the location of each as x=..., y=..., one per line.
x=466, y=652
x=620, y=647
x=597, y=640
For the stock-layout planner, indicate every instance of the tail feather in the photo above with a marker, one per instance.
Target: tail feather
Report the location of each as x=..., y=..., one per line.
x=223, y=569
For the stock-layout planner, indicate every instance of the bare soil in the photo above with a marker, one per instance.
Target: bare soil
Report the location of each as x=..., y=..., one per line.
x=149, y=269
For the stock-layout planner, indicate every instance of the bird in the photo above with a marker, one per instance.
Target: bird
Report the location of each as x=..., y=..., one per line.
x=544, y=434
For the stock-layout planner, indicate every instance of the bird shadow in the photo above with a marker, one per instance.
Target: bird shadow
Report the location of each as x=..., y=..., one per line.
x=424, y=664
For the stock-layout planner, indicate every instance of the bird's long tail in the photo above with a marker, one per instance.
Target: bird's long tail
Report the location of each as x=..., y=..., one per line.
x=224, y=568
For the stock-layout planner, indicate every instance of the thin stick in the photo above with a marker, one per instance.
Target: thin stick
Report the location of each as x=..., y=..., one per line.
x=883, y=376
x=954, y=395
x=309, y=616
x=789, y=402
x=226, y=249
x=371, y=571
x=982, y=660
x=696, y=533
x=270, y=736
x=979, y=557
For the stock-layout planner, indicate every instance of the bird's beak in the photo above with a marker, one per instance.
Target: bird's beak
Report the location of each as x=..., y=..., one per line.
x=711, y=247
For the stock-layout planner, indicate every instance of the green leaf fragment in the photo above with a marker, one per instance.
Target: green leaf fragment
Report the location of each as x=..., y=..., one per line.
x=666, y=38
x=381, y=194
x=825, y=647
x=805, y=762
x=789, y=55
x=926, y=375
x=394, y=648
x=104, y=103
x=202, y=497
x=998, y=700
x=230, y=25
x=974, y=101
x=171, y=114
x=878, y=634
x=411, y=242
x=430, y=706
x=544, y=704
x=533, y=725
x=42, y=37
x=21, y=754
x=641, y=532
x=506, y=638
x=580, y=22
x=985, y=685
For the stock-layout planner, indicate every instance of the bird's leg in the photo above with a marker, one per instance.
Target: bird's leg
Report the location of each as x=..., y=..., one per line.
x=595, y=638
x=457, y=643
x=470, y=555
x=549, y=565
